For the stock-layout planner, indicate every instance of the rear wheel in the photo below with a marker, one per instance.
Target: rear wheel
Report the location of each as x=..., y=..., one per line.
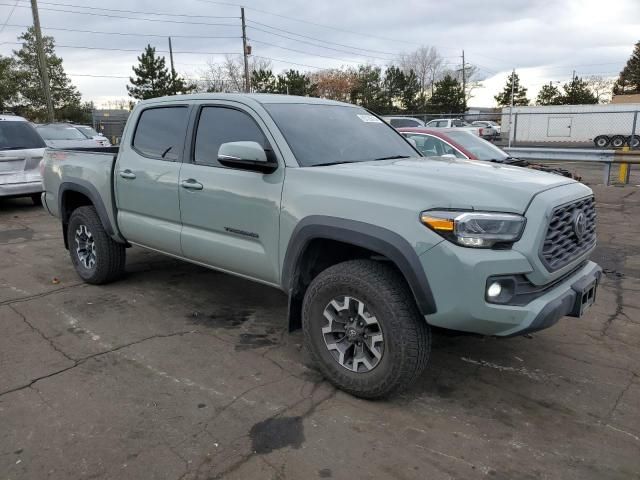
x=363, y=329
x=601, y=141
x=96, y=257
x=633, y=142
x=617, y=141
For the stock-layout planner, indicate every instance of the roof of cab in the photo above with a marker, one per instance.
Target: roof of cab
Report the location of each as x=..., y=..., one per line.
x=262, y=98
x=12, y=118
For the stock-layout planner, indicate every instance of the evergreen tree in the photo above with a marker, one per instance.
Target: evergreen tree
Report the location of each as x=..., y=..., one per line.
x=295, y=83
x=64, y=94
x=549, y=95
x=577, y=92
x=8, y=83
x=152, y=77
x=368, y=91
x=503, y=99
x=448, y=96
x=629, y=79
x=393, y=87
x=412, y=99
x=264, y=81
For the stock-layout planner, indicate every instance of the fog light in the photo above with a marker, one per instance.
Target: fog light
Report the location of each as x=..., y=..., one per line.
x=494, y=290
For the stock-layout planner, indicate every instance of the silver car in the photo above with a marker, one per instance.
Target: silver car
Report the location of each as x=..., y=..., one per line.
x=21, y=150
x=65, y=135
x=90, y=132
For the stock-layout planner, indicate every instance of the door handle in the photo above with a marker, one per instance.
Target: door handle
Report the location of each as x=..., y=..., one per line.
x=127, y=174
x=191, y=184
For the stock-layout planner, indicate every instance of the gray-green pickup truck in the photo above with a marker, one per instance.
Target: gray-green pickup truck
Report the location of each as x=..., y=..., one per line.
x=373, y=243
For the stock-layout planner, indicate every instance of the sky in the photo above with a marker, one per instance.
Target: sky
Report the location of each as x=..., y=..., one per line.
x=544, y=40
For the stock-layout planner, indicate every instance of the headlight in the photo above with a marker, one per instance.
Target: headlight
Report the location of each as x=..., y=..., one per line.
x=475, y=229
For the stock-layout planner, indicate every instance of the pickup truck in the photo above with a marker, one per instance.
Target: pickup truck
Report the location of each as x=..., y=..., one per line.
x=373, y=243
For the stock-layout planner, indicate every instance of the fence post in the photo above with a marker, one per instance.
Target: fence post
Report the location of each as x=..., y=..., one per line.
x=515, y=127
x=606, y=173
x=633, y=130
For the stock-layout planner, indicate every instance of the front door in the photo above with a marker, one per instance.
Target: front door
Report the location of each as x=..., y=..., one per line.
x=230, y=217
x=146, y=179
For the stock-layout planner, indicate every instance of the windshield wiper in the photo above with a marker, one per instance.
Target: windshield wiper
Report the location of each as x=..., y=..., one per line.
x=15, y=147
x=334, y=163
x=393, y=157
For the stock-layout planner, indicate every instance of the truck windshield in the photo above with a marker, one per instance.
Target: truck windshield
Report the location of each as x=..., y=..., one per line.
x=19, y=135
x=61, y=133
x=480, y=148
x=328, y=134
x=88, y=131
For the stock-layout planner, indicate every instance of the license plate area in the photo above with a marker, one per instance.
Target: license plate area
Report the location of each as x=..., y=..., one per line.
x=585, y=298
x=11, y=166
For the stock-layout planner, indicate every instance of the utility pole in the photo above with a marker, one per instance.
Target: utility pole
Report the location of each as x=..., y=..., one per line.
x=44, y=73
x=247, y=83
x=513, y=84
x=464, y=82
x=173, y=70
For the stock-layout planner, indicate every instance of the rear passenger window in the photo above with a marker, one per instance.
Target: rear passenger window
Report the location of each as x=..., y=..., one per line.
x=218, y=125
x=160, y=132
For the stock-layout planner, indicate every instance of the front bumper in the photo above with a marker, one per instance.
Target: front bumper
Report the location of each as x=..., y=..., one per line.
x=458, y=282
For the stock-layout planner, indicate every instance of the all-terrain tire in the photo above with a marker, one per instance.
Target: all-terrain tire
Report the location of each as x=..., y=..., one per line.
x=407, y=337
x=109, y=255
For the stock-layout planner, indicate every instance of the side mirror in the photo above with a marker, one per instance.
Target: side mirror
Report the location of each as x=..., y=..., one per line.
x=246, y=156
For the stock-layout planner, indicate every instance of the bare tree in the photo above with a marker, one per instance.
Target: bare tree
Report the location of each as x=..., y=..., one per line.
x=228, y=76
x=426, y=63
x=601, y=87
x=336, y=84
x=471, y=76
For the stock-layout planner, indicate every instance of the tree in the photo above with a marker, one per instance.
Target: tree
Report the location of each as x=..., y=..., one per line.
x=601, y=87
x=412, y=98
x=8, y=84
x=368, y=91
x=228, y=76
x=503, y=99
x=577, y=92
x=64, y=94
x=549, y=95
x=153, y=79
x=292, y=82
x=629, y=80
x=335, y=84
x=426, y=64
x=393, y=86
x=448, y=96
x=264, y=81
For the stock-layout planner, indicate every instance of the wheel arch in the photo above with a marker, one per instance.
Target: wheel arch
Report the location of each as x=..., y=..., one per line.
x=360, y=237
x=79, y=193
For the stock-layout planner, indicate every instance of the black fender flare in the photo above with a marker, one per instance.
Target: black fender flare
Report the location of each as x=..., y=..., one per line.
x=372, y=237
x=89, y=191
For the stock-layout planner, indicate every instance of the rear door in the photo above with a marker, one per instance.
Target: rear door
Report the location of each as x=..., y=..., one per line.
x=146, y=178
x=230, y=217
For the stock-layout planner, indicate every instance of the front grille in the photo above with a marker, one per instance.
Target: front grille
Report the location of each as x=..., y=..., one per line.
x=563, y=242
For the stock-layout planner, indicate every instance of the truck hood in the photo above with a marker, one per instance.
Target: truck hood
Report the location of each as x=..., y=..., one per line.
x=452, y=183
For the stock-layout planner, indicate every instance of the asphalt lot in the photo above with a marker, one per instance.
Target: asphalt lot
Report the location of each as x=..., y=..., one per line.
x=177, y=372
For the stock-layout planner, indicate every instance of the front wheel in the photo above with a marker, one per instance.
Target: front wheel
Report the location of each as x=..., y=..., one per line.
x=96, y=257
x=363, y=329
x=601, y=141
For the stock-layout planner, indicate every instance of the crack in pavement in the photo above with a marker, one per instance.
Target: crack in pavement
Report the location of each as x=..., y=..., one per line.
x=622, y=393
x=43, y=294
x=89, y=357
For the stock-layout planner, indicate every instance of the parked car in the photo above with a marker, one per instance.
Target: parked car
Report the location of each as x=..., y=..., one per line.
x=455, y=123
x=373, y=243
x=398, y=122
x=65, y=135
x=461, y=144
x=490, y=129
x=90, y=132
x=21, y=150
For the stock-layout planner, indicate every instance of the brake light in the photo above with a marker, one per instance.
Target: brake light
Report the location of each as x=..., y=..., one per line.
x=41, y=167
x=481, y=131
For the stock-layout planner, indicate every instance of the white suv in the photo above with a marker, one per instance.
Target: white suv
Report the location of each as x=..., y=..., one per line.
x=21, y=149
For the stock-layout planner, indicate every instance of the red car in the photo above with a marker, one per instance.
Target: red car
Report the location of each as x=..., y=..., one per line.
x=438, y=142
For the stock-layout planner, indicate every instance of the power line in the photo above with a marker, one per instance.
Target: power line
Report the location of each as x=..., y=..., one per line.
x=303, y=52
x=9, y=16
x=311, y=23
x=125, y=34
x=82, y=47
x=319, y=39
x=319, y=46
x=128, y=18
x=40, y=2
x=291, y=63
